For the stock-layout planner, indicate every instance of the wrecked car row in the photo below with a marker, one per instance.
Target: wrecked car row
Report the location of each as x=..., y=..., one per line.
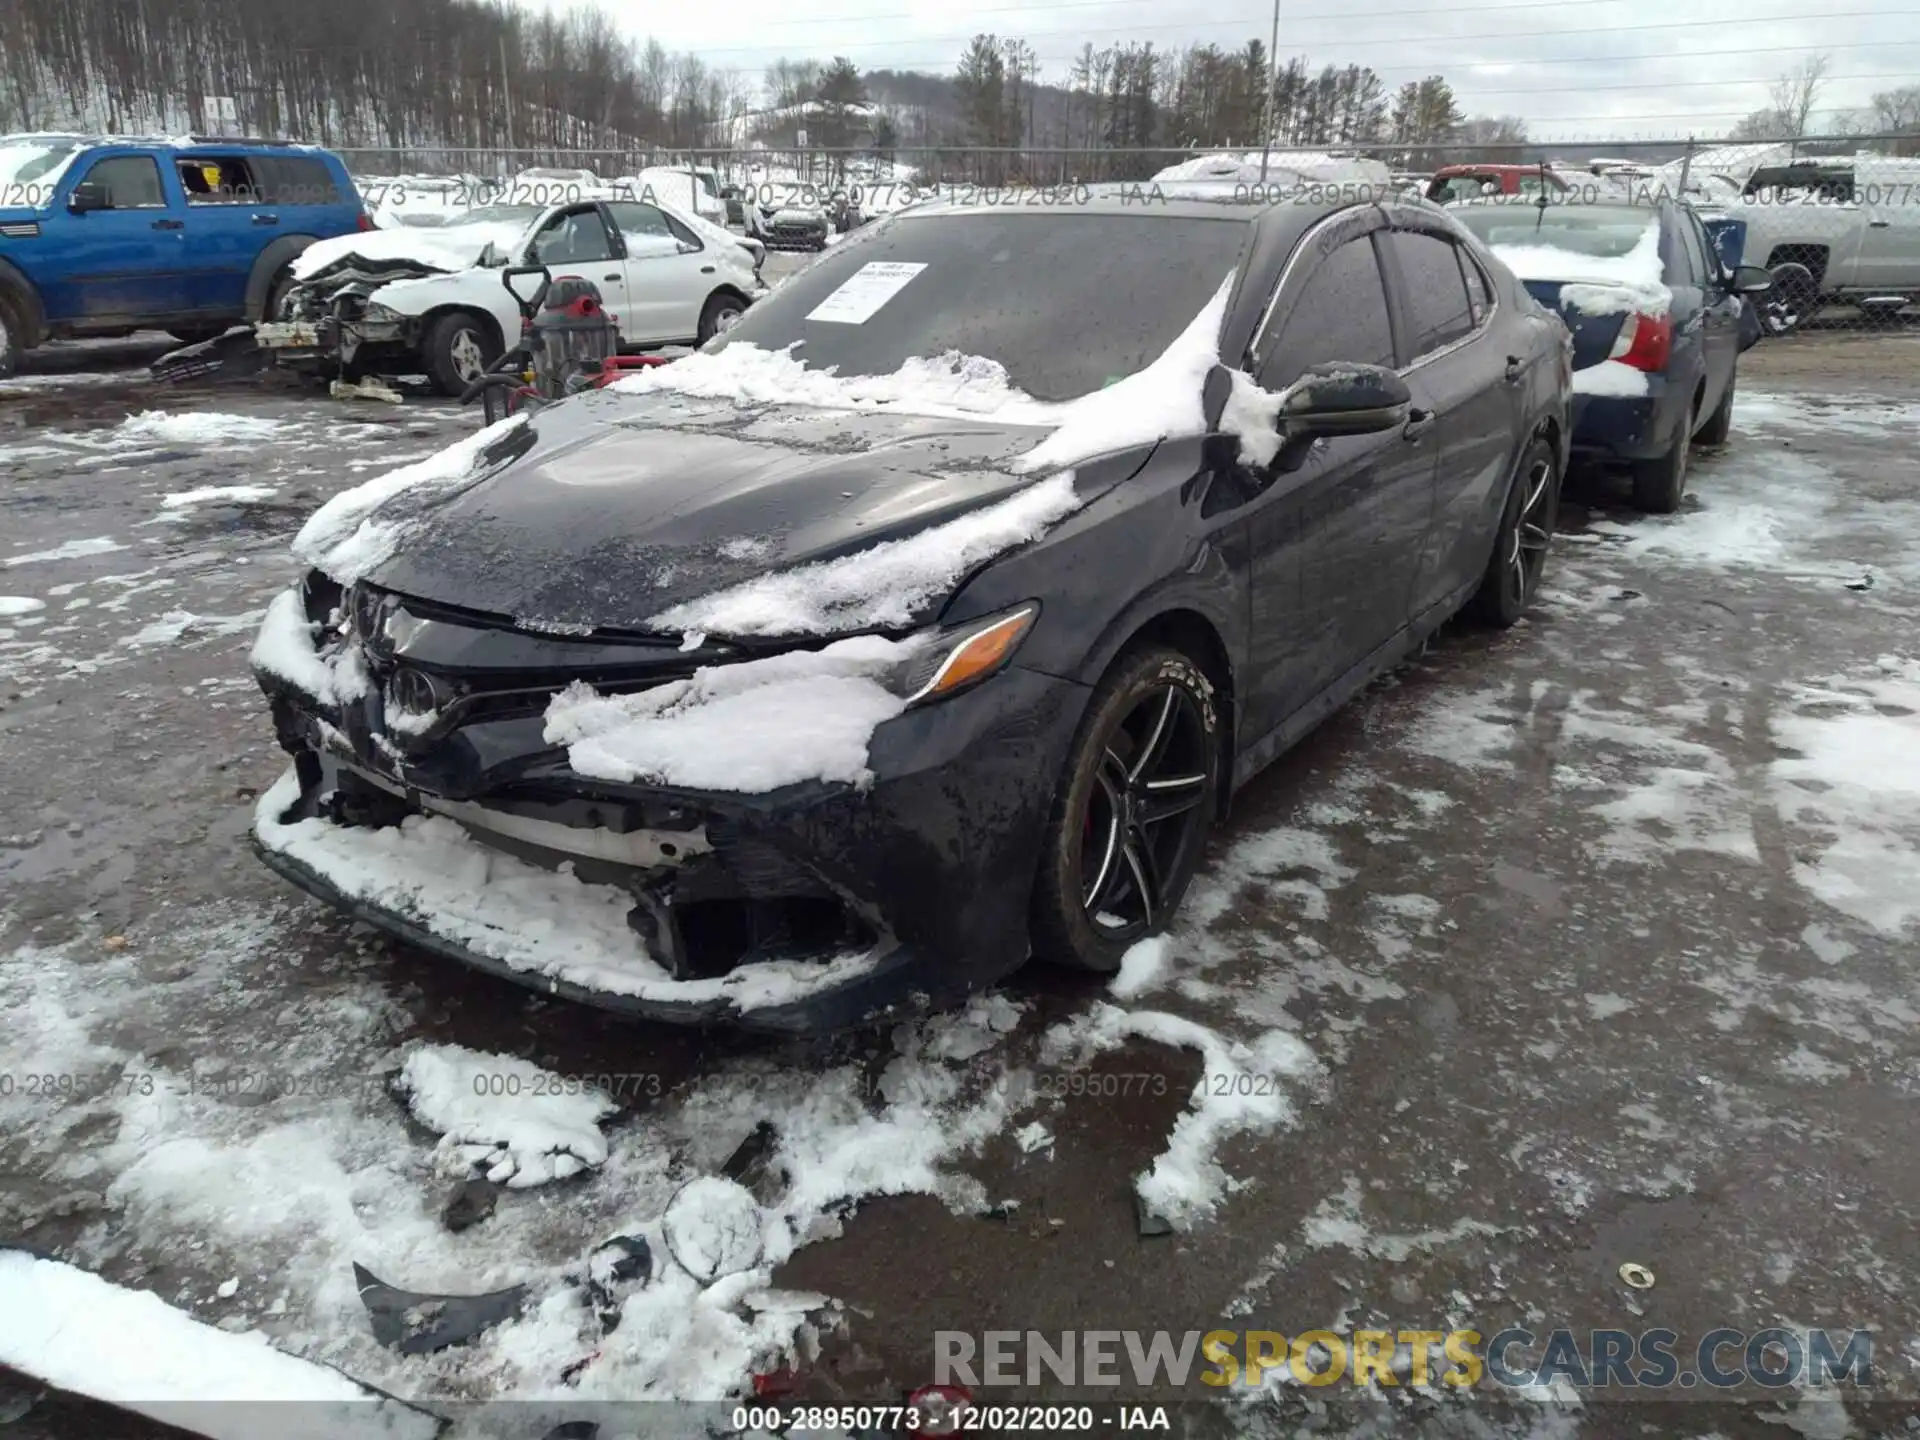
x=923, y=621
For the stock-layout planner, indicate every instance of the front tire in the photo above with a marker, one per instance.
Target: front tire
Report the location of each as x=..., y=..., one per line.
x=720, y=313
x=1520, y=545
x=458, y=349
x=1132, y=812
x=1794, y=297
x=13, y=335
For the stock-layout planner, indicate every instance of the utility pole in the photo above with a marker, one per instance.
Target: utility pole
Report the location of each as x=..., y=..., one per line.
x=1273, y=84
x=507, y=94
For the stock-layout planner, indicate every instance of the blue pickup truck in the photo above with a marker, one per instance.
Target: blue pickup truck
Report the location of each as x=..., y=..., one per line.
x=101, y=236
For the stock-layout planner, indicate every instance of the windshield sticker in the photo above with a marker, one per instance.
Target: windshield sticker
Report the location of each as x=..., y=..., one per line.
x=865, y=291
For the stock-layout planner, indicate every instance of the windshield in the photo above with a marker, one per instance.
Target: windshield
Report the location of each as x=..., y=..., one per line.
x=1068, y=303
x=29, y=169
x=1603, y=231
x=499, y=215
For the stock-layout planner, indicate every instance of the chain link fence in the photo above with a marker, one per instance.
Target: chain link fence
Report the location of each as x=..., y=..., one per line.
x=1836, y=220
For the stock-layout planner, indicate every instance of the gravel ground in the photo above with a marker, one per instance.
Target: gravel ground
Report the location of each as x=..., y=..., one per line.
x=1586, y=944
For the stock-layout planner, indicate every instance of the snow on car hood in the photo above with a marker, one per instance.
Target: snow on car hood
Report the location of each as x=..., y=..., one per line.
x=432, y=247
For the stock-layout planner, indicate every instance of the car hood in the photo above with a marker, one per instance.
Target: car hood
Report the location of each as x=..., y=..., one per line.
x=419, y=249
x=619, y=507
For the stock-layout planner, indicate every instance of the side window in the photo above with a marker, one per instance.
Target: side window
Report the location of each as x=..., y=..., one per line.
x=1340, y=315
x=1436, y=292
x=646, y=229
x=294, y=180
x=1479, y=292
x=1694, y=248
x=217, y=180
x=132, y=182
x=575, y=238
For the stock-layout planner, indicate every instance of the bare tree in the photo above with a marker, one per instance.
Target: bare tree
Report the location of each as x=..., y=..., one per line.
x=1795, y=93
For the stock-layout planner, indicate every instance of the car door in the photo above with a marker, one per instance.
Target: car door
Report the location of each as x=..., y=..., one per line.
x=577, y=241
x=1889, y=193
x=1460, y=378
x=227, y=226
x=669, y=273
x=1331, y=544
x=126, y=262
x=1720, y=308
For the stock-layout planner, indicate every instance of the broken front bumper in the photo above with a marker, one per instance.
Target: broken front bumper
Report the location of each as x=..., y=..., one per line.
x=333, y=342
x=827, y=906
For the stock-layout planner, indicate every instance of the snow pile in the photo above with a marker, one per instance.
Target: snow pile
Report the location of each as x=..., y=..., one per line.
x=1851, y=775
x=1612, y=284
x=129, y=1348
x=284, y=648
x=207, y=494
x=1285, y=169
x=1164, y=399
x=1252, y=414
x=343, y=539
x=193, y=428
x=884, y=586
x=950, y=385
x=67, y=550
x=751, y=727
x=1245, y=1085
x=20, y=605
x=431, y=872
x=504, y=1117
x=713, y=1228
x=1612, y=379
x=1144, y=967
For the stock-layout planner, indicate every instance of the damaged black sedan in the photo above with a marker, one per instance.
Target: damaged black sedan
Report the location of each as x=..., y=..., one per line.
x=926, y=620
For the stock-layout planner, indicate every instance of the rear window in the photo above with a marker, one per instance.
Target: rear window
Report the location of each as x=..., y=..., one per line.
x=295, y=180
x=1603, y=231
x=1068, y=303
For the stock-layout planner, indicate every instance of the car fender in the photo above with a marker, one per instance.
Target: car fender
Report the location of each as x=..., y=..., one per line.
x=267, y=264
x=478, y=289
x=20, y=290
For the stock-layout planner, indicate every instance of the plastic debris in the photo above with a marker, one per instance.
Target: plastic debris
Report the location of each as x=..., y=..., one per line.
x=417, y=1324
x=1151, y=1222
x=471, y=1202
x=615, y=1270
x=369, y=388
x=1636, y=1276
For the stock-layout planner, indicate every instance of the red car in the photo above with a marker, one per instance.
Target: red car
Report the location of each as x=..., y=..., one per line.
x=1469, y=182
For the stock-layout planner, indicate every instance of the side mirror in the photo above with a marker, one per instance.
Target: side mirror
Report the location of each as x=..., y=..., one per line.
x=1339, y=399
x=1752, y=280
x=89, y=195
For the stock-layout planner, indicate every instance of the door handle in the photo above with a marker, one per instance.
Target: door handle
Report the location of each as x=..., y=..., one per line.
x=266, y=219
x=169, y=224
x=611, y=275
x=1418, y=423
x=1878, y=224
x=706, y=269
x=1513, y=370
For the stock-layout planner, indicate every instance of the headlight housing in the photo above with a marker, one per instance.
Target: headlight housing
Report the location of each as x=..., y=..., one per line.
x=953, y=658
x=378, y=314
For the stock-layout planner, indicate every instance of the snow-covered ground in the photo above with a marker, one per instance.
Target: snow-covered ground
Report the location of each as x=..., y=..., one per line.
x=1557, y=949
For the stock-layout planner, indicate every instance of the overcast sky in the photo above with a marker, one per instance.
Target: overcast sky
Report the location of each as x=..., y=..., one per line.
x=1594, y=69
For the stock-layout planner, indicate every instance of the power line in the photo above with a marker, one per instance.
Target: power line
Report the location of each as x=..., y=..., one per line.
x=1504, y=35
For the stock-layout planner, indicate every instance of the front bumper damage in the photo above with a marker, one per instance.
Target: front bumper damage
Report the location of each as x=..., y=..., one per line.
x=817, y=908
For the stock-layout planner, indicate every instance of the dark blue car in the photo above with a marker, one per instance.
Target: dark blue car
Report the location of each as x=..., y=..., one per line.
x=105, y=236
x=1658, y=316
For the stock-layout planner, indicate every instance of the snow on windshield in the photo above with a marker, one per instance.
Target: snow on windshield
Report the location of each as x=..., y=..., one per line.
x=1621, y=255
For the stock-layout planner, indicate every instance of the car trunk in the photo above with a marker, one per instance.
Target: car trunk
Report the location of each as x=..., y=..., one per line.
x=1595, y=328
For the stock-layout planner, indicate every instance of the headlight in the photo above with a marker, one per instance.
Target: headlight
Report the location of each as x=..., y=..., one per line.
x=956, y=657
x=376, y=314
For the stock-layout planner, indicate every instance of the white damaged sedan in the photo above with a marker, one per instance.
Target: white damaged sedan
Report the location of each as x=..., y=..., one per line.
x=430, y=299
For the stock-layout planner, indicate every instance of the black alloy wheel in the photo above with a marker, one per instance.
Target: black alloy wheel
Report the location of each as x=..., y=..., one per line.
x=1520, y=548
x=1133, y=813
